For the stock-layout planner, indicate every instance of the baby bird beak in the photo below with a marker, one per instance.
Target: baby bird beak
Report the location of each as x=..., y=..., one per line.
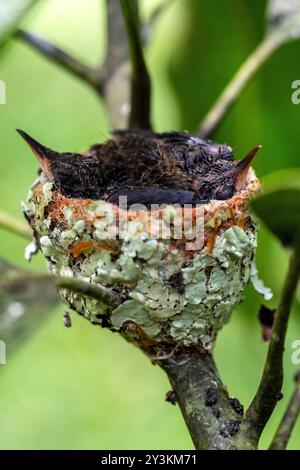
x=44, y=154
x=243, y=166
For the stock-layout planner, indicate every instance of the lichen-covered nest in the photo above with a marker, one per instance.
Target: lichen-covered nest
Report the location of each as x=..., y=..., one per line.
x=170, y=293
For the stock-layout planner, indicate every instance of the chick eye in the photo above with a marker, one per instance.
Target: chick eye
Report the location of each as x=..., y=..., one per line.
x=226, y=192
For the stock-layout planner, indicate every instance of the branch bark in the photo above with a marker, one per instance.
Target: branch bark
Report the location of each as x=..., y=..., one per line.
x=204, y=402
x=269, y=390
x=140, y=79
x=289, y=419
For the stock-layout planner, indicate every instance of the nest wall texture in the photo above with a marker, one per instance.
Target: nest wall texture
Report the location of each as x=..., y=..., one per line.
x=168, y=294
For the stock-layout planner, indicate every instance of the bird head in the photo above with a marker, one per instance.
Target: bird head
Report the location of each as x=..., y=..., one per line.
x=45, y=156
x=225, y=178
x=242, y=168
x=71, y=173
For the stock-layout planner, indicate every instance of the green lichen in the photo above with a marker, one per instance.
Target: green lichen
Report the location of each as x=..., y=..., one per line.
x=141, y=269
x=159, y=300
x=135, y=312
x=47, y=191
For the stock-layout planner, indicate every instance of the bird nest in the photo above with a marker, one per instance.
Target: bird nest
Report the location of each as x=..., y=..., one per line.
x=174, y=291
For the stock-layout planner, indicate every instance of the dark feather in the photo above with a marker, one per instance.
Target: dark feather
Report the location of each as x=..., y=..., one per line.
x=147, y=167
x=151, y=196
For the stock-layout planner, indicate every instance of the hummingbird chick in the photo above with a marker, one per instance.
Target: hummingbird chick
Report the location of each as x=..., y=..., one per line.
x=146, y=167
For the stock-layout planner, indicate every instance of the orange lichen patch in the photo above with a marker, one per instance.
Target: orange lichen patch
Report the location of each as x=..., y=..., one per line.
x=59, y=203
x=211, y=239
x=82, y=246
x=242, y=222
x=233, y=216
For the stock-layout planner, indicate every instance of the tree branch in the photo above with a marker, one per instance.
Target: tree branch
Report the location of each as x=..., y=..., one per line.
x=269, y=390
x=254, y=62
x=116, y=68
x=15, y=226
x=235, y=87
x=140, y=79
x=204, y=402
x=95, y=291
x=90, y=75
x=117, y=47
x=289, y=419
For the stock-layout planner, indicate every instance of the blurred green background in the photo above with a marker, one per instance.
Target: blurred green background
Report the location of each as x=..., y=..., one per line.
x=85, y=388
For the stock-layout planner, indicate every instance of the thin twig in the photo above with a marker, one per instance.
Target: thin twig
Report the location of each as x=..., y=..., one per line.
x=253, y=63
x=269, y=390
x=235, y=87
x=289, y=419
x=96, y=291
x=15, y=226
x=90, y=75
x=140, y=79
x=91, y=290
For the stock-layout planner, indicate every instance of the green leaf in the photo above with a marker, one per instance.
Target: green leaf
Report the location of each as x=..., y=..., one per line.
x=283, y=16
x=280, y=211
x=11, y=13
x=24, y=303
x=287, y=178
